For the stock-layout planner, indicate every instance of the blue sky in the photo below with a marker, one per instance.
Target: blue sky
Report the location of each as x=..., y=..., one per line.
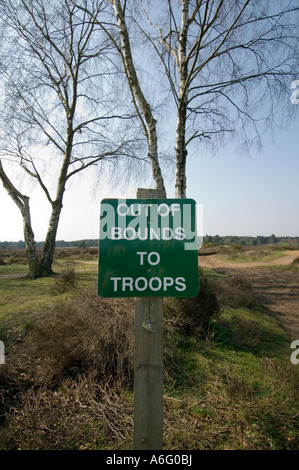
x=241, y=195
x=250, y=195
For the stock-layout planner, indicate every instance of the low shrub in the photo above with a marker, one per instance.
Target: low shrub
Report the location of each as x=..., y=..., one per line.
x=193, y=315
x=79, y=415
x=17, y=258
x=87, y=333
x=92, y=333
x=247, y=333
x=66, y=280
x=295, y=265
x=234, y=292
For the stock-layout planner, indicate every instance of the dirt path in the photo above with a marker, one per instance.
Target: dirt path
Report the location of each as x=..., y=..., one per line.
x=12, y=276
x=277, y=289
x=212, y=261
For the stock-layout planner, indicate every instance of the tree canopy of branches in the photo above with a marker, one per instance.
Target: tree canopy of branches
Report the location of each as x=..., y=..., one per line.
x=117, y=31
x=61, y=111
x=228, y=64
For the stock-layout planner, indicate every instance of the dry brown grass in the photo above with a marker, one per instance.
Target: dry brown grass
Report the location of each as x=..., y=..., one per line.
x=80, y=414
x=86, y=334
x=234, y=292
x=193, y=315
x=62, y=386
x=66, y=380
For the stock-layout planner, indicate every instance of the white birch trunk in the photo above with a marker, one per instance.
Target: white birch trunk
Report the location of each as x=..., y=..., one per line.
x=50, y=241
x=181, y=155
x=180, y=146
x=33, y=261
x=22, y=203
x=149, y=125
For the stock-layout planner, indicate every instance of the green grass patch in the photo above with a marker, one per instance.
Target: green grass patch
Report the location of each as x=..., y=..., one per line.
x=13, y=269
x=238, y=254
x=240, y=387
x=251, y=329
x=24, y=301
x=212, y=273
x=19, y=295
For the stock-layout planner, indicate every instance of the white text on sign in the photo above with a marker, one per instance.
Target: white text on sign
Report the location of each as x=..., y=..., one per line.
x=148, y=247
x=155, y=283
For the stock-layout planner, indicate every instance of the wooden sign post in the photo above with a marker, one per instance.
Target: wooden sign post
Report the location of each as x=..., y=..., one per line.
x=149, y=368
x=148, y=250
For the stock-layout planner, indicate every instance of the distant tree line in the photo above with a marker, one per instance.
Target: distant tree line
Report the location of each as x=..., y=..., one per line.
x=59, y=244
x=208, y=239
x=250, y=241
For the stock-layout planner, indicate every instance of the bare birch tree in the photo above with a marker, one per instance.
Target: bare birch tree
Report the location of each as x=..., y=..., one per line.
x=22, y=202
x=60, y=111
x=141, y=102
x=228, y=64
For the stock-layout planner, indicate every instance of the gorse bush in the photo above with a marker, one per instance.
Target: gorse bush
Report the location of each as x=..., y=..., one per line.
x=86, y=334
x=193, y=315
x=234, y=292
x=91, y=333
x=66, y=280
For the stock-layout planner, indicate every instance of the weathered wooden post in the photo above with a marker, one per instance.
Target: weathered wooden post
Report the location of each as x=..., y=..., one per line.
x=149, y=367
x=148, y=250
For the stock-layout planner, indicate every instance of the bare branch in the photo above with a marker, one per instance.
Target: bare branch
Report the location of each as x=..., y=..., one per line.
x=11, y=189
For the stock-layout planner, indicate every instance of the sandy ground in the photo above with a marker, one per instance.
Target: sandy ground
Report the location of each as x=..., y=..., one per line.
x=277, y=289
x=211, y=261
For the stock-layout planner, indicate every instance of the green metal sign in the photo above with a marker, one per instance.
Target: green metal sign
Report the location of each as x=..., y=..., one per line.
x=148, y=248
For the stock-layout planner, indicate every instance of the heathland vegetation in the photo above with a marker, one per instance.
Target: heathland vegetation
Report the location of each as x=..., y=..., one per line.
x=67, y=382
x=208, y=240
